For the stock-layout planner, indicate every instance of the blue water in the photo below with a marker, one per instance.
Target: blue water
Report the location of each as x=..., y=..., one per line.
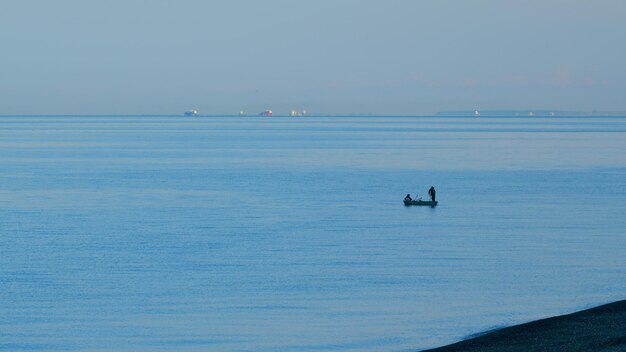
x=164, y=233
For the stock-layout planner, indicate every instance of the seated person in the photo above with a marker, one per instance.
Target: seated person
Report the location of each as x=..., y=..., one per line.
x=408, y=198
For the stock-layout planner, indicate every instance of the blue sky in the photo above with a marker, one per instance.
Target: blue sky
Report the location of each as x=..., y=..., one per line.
x=344, y=56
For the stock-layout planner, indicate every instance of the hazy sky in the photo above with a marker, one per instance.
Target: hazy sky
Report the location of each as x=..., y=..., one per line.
x=398, y=57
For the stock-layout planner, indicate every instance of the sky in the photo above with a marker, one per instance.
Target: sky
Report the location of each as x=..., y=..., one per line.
x=341, y=56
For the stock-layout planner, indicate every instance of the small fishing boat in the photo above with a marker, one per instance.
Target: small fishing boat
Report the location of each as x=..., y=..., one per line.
x=420, y=202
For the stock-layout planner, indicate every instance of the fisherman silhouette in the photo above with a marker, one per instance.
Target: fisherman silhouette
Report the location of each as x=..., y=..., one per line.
x=432, y=193
x=408, y=198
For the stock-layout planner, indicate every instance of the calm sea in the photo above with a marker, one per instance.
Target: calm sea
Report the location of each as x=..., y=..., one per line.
x=164, y=233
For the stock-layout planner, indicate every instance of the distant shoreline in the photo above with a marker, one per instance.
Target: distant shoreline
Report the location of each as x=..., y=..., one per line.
x=597, y=329
x=487, y=114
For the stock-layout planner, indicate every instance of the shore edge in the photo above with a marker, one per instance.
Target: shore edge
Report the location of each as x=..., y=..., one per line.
x=601, y=328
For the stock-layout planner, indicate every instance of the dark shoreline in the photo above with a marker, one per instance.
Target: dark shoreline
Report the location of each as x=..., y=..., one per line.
x=601, y=328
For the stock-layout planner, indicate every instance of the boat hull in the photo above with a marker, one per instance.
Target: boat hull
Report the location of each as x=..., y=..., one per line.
x=420, y=202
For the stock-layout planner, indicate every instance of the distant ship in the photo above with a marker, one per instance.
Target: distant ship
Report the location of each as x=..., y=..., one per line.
x=266, y=113
x=191, y=113
x=297, y=113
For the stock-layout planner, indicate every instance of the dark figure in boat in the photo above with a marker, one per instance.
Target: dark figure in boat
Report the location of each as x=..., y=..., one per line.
x=432, y=193
x=408, y=198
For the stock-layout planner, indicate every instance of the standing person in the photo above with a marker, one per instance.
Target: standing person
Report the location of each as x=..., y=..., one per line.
x=432, y=193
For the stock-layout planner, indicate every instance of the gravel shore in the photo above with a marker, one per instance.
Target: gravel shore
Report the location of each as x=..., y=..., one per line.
x=597, y=329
